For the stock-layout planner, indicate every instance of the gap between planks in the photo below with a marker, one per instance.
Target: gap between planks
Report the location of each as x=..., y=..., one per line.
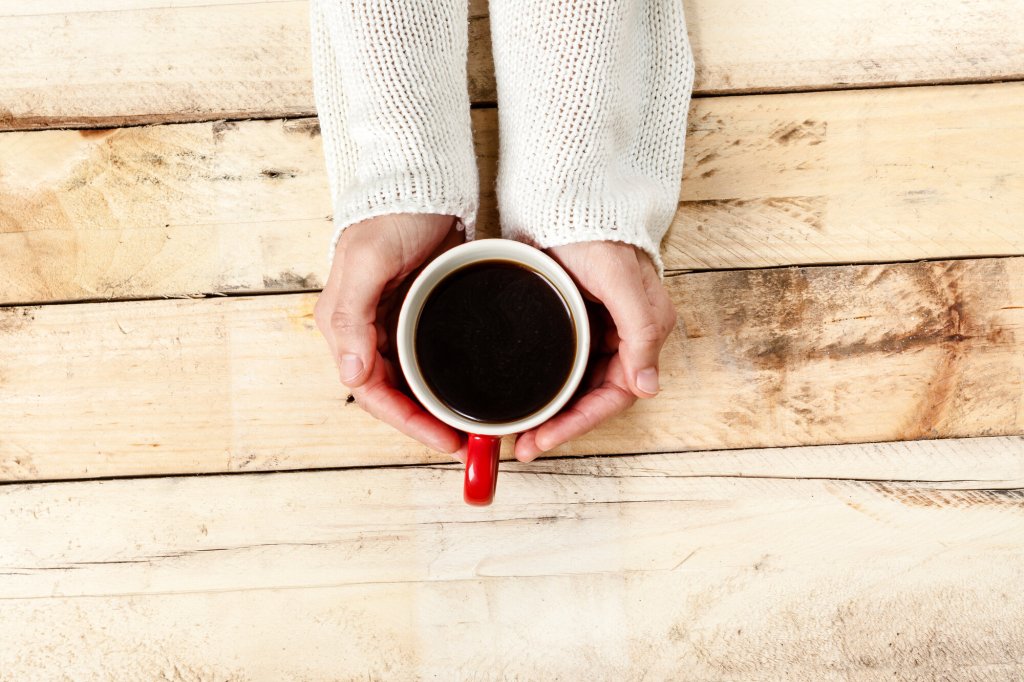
x=162, y=54
x=524, y=468
x=669, y=274
x=114, y=123
x=893, y=176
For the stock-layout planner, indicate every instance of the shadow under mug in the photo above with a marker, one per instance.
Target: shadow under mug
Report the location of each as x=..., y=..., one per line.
x=485, y=437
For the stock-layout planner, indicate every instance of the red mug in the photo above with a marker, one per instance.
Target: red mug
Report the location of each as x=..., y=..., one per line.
x=481, y=475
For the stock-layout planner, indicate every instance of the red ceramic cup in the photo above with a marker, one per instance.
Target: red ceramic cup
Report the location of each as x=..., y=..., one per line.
x=485, y=437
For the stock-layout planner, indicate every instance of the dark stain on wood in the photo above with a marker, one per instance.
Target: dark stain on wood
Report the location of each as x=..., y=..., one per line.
x=782, y=299
x=220, y=127
x=707, y=158
x=75, y=182
x=782, y=320
x=289, y=280
x=303, y=126
x=276, y=173
x=809, y=132
x=10, y=121
x=14, y=319
x=917, y=496
x=97, y=132
x=797, y=210
x=779, y=307
x=941, y=284
x=785, y=300
x=714, y=203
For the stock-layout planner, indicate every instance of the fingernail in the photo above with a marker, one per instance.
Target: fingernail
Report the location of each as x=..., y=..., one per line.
x=541, y=449
x=351, y=366
x=647, y=380
x=441, y=444
x=526, y=459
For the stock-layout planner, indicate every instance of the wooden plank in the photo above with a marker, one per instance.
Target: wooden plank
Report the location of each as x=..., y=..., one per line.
x=796, y=563
x=115, y=62
x=760, y=358
x=121, y=62
x=867, y=176
x=751, y=46
x=165, y=210
x=76, y=64
x=870, y=176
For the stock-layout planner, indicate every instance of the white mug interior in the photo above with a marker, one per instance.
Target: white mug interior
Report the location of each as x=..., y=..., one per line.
x=452, y=260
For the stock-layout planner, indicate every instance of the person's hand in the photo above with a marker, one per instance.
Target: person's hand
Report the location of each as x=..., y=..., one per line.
x=639, y=316
x=355, y=313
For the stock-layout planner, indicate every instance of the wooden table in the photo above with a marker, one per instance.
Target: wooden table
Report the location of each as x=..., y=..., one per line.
x=830, y=487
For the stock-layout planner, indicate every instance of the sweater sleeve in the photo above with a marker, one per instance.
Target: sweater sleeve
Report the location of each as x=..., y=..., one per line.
x=593, y=98
x=389, y=79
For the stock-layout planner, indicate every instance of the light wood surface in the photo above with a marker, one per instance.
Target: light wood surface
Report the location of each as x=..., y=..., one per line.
x=759, y=358
x=145, y=61
x=869, y=176
x=885, y=561
x=163, y=210
x=844, y=177
x=865, y=561
x=747, y=45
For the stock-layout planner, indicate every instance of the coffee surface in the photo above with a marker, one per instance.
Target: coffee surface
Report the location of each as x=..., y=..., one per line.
x=495, y=341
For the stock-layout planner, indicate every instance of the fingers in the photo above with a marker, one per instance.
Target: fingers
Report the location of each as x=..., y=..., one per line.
x=644, y=317
x=583, y=416
x=352, y=322
x=381, y=399
x=346, y=311
x=588, y=412
x=362, y=295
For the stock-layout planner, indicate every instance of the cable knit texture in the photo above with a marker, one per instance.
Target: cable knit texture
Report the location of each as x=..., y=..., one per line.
x=390, y=88
x=592, y=94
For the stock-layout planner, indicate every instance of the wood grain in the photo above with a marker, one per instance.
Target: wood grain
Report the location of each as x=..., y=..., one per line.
x=759, y=358
x=751, y=46
x=870, y=176
x=866, y=176
x=887, y=561
x=115, y=62
x=165, y=210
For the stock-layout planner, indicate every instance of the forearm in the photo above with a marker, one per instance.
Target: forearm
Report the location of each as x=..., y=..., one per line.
x=390, y=88
x=593, y=99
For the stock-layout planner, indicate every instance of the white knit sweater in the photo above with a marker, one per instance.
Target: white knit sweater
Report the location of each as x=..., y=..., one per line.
x=592, y=98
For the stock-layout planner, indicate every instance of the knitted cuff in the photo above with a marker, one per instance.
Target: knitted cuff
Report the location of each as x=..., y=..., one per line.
x=545, y=221
x=593, y=99
x=464, y=209
x=390, y=87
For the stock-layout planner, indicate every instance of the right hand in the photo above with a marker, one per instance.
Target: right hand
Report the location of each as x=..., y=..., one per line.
x=364, y=291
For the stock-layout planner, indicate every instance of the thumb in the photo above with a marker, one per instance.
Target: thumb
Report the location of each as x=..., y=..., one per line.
x=353, y=321
x=643, y=325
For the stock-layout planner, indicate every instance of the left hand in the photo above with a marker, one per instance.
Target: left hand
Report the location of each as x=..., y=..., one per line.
x=623, y=279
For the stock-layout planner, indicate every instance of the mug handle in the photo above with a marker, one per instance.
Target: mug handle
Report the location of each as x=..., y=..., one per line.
x=481, y=469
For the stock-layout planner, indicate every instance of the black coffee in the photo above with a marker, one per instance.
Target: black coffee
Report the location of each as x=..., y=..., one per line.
x=495, y=341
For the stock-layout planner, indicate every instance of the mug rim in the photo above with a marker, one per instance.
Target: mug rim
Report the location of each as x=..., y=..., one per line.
x=458, y=257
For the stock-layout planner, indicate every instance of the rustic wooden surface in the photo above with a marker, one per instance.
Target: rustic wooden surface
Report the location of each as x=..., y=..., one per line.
x=879, y=561
x=864, y=562
x=864, y=176
x=759, y=358
x=123, y=62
